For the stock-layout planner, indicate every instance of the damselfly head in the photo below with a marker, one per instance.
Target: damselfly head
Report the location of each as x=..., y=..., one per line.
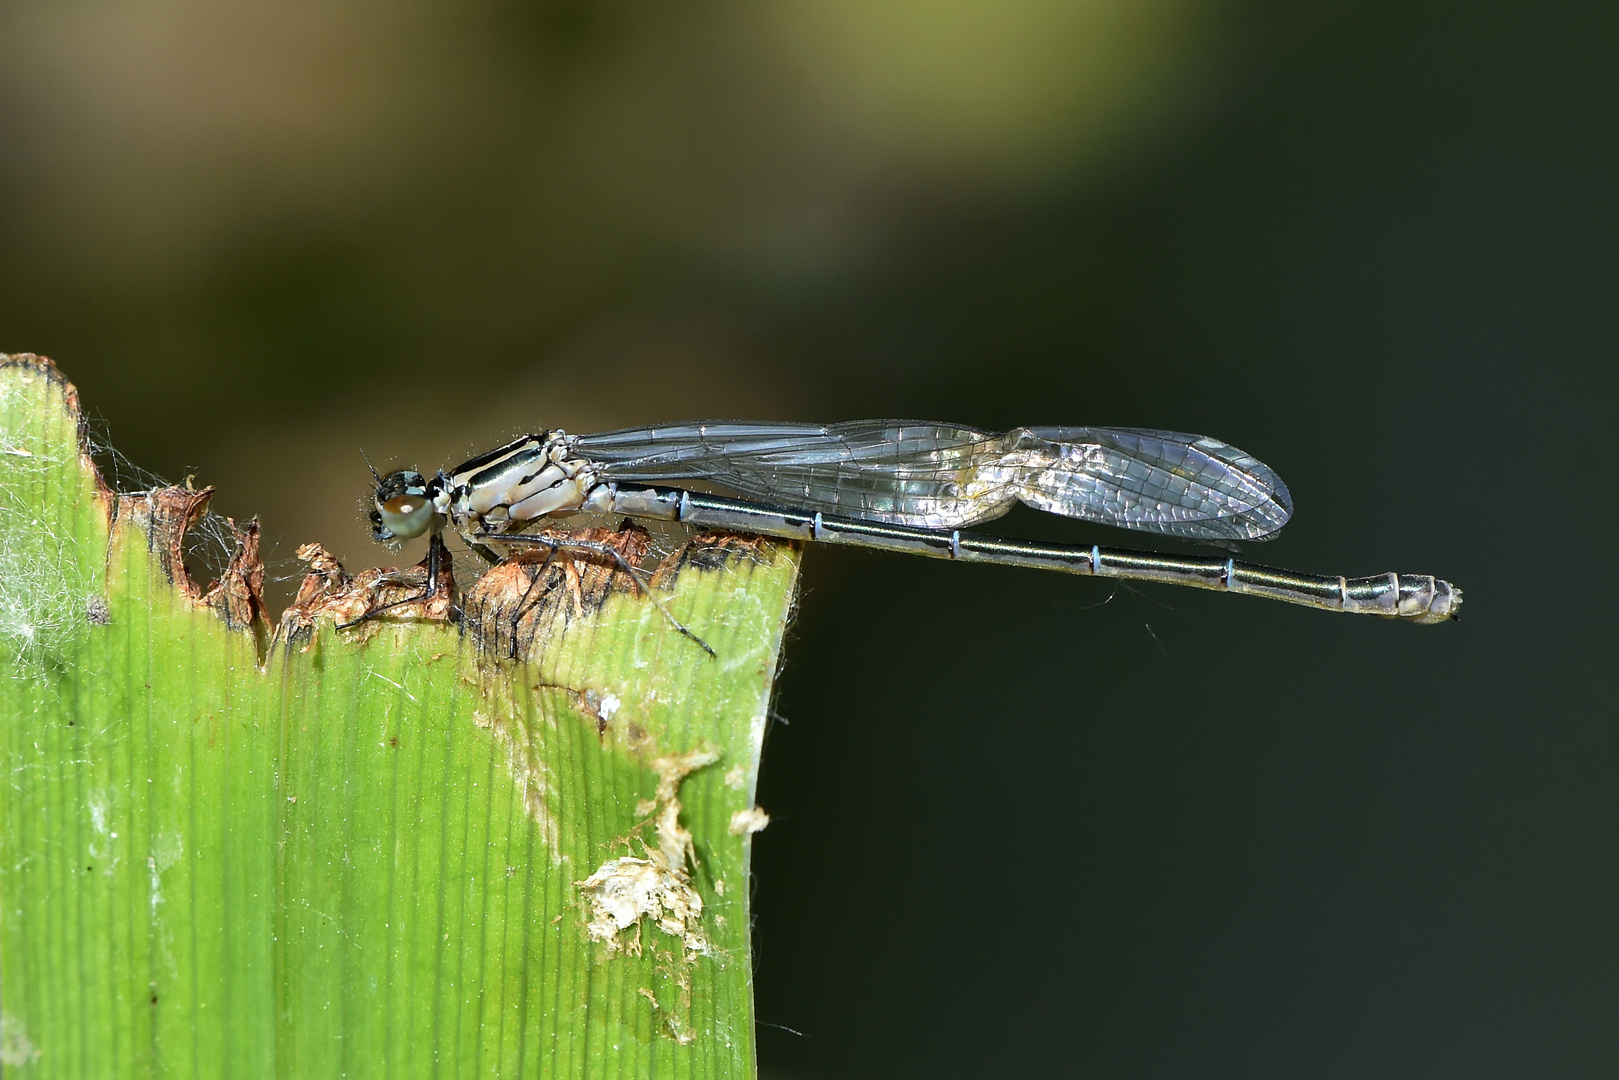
x=403, y=506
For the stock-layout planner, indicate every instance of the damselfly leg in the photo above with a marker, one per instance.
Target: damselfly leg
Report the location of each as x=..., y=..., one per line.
x=438, y=560
x=555, y=544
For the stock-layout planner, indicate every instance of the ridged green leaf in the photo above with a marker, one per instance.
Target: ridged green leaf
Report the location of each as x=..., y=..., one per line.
x=387, y=850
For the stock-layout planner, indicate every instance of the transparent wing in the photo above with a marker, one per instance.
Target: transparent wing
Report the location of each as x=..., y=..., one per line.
x=900, y=471
x=1163, y=482
x=944, y=477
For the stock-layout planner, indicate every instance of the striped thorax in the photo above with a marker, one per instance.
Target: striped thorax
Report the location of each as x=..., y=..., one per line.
x=532, y=477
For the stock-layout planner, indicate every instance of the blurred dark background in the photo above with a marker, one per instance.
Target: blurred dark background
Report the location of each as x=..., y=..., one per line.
x=1023, y=824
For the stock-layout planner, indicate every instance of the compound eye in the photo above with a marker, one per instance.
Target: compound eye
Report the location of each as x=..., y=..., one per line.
x=405, y=516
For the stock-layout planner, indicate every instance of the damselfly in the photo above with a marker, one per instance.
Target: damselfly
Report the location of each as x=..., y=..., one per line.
x=901, y=485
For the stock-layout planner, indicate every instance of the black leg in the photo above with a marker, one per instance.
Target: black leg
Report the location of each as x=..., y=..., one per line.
x=436, y=553
x=517, y=616
x=598, y=547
